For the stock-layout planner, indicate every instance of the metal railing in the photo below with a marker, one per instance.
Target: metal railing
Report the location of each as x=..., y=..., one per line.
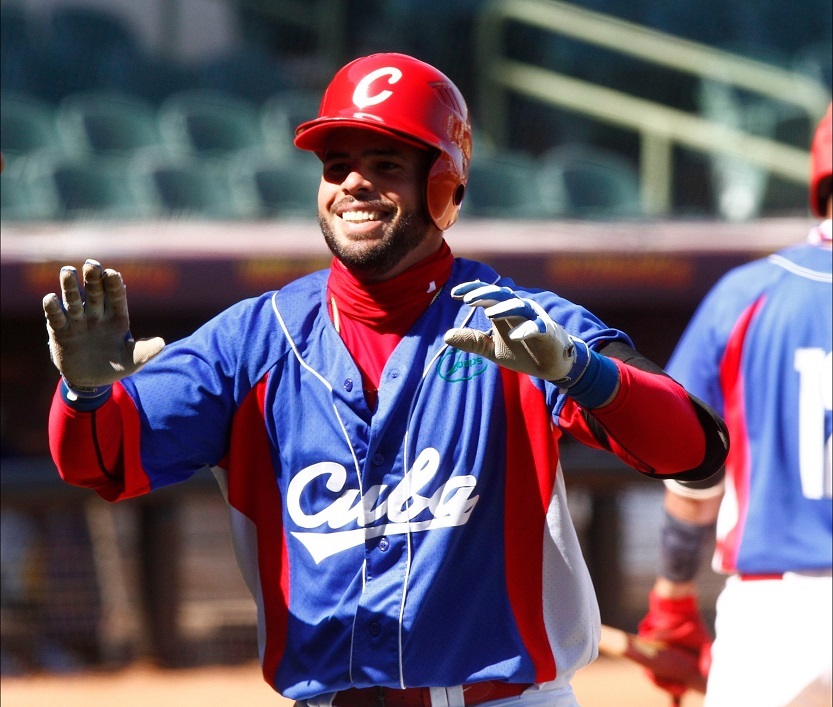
x=660, y=127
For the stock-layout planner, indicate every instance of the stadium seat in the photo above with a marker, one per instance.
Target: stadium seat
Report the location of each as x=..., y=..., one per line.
x=581, y=181
x=107, y=122
x=24, y=64
x=90, y=188
x=209, y=123
x=75, y=29
x=85, y=43
x=285, y=111
x=484, y=145
x=814, y=60
x=743, y=190
x=21, y=201
x=193, y=187
x=149, y=76
x=502, y=185
x=283, y=187
x=15, y=23
x=248, y=72
x=27, y=124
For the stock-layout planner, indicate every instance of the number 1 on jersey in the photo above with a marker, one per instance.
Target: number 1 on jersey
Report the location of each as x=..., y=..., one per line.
x=815, y=370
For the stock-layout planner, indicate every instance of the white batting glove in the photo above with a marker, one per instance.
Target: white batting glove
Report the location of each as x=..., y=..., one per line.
x=523, y=337
x=89, y=333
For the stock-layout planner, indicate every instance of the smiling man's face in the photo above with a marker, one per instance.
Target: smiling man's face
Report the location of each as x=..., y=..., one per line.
x=371, y=203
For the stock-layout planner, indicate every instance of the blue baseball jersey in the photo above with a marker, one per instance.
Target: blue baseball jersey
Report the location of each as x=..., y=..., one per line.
x=369, y=540
x=758, y=351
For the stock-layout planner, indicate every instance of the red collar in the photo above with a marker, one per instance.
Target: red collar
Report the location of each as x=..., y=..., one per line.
x=392, y=305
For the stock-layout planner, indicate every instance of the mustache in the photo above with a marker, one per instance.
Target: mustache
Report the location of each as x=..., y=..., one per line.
x=369, y=204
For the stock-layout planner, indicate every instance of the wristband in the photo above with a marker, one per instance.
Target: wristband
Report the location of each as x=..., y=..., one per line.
x=681, y=548
x=84, y=399
x=592, y=379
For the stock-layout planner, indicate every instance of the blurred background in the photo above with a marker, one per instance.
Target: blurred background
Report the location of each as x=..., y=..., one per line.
x=626, y=155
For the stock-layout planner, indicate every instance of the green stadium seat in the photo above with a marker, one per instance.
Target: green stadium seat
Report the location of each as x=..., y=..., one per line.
x=85, y=44
x=502, y=184
x=95, y=188
x=282, y=187
x=27, y=124
x=25, y=65
x=209, y=123
x=108, y=122
x=581, y=181
x=285, y=111
x=193, y=187
x=249, y=72
x=21, y=201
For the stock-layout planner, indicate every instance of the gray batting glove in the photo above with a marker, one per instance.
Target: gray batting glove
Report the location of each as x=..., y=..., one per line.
x=523, y=337
x=89, y=332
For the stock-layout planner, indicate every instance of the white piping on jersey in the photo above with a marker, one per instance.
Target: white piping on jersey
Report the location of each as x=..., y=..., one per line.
x=406, y=462
x=346, y=437
x=428, y=367
x=326, y=385
x=800, y=270
x=407, y=578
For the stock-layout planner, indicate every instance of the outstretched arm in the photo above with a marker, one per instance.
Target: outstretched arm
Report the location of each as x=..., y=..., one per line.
x=91, y=345
x=617, y=399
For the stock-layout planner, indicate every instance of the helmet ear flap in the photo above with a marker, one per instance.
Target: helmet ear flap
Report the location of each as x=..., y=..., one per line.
x=444, y=191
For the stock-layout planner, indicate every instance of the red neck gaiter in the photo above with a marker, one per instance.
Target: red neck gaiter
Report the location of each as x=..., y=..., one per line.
x=373, y=317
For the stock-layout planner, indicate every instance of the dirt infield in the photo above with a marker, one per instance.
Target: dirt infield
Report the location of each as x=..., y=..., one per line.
x=605, y=683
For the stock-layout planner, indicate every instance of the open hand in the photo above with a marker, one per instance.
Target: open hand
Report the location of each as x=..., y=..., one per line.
x=523, y=337
x=89, y=329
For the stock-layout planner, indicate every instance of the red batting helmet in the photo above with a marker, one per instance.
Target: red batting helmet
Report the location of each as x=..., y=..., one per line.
x=820, y=165
x=410, y=100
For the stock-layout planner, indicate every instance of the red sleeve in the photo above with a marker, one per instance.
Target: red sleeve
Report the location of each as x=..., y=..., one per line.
x=99, y=449
x=651, y=425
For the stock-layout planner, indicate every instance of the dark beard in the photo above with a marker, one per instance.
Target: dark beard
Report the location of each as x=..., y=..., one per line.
x=405, y=235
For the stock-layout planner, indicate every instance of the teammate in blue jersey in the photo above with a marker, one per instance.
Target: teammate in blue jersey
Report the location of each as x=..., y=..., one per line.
x=385, y=431
x=758, y=350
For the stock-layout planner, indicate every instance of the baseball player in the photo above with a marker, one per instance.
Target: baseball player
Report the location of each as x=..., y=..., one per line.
x=385, y=431
x=759, y=350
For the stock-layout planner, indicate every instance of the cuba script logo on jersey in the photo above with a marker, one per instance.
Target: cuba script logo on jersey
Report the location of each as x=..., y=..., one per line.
x=449, y=506
x=362, y=97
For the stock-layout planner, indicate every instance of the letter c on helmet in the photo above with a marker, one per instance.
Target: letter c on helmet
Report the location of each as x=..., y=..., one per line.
x=361, y=96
